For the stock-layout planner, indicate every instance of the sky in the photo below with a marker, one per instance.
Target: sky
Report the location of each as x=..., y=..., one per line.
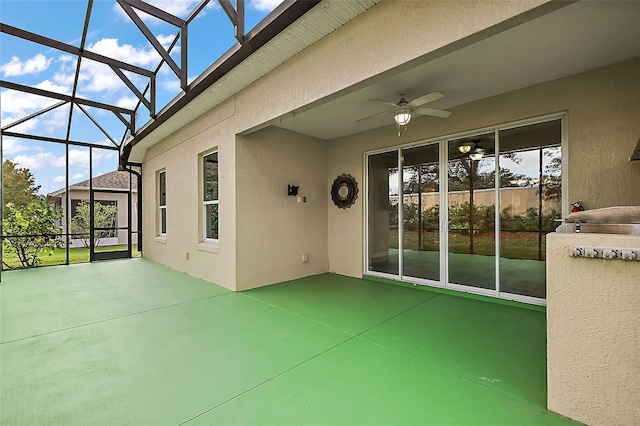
x=110, y=33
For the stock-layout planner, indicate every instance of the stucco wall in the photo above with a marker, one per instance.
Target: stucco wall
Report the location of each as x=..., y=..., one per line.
x=273, y=229
x=602, y=129
x=178, y=154
x=603, y=107
x=593, y=332
x=369, y=45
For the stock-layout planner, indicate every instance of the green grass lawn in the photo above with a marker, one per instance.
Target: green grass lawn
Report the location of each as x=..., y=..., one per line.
x=59, y=257
x=513, y=245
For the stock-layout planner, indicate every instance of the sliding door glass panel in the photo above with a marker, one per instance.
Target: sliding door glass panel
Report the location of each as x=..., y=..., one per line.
x=471, y=200
x=530, y=201
x=421, y=212
x=383, y=204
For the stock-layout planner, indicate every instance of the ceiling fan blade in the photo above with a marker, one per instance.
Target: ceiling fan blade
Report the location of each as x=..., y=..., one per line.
x=386, y=102
x=425, y=99
x=374, y=115
x=432, y=112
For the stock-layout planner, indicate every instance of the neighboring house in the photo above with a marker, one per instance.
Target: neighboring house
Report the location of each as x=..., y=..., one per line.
x=109, y=189
x=528, y=78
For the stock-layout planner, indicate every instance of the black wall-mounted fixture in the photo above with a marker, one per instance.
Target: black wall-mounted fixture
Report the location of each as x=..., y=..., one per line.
x=292, y=190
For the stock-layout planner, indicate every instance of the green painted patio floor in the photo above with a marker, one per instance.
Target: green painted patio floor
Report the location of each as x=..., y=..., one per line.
x=133, y=342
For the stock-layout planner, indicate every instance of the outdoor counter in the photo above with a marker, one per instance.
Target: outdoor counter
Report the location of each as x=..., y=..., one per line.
x=593, y=330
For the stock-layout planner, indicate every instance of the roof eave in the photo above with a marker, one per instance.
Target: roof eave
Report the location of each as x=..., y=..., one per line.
x=277, y=21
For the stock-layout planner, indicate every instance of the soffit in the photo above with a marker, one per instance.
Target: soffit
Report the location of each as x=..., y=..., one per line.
x=576, y=38
x=320, y=21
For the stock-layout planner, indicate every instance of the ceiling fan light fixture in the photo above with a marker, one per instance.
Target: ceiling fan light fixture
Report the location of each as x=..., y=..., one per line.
x=477, y=154
x=402, y=116
x=465, y=148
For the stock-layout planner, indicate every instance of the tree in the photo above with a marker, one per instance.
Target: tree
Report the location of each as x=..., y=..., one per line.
x=421, y=177
x=29, y=229
x=104, y=216
x=19, y=186
x=553, y=176
x=463, y=176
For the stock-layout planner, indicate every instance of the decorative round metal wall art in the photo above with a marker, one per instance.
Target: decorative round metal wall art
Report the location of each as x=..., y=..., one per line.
x=344, y=191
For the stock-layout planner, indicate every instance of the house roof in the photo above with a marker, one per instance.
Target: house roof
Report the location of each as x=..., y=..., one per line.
x=117, y=180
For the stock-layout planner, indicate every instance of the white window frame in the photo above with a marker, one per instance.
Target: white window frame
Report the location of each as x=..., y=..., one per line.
x=161, y=207
x=205, y=203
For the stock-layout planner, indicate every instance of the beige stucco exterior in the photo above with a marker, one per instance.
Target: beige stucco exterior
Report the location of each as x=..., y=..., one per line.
x=265, y=235
x=182, y=247
x=315, y=74
x=601, y=111
x=274, y=233
x=593, y=331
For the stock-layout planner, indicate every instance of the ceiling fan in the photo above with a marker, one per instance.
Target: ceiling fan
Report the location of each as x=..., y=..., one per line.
x=404, y=110
x=473, y=148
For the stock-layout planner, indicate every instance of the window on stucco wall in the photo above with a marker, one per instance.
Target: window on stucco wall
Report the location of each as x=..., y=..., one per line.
x=162, y=203
x=210, y=197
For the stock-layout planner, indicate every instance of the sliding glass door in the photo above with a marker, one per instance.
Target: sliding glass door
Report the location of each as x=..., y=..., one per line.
x=383, y=213
x=471, y=201
x=421, y=212
x=530, y=203
x=469, y=213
